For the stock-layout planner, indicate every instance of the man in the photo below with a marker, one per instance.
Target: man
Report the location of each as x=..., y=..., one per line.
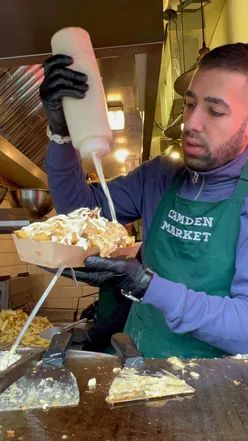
x=191, y=297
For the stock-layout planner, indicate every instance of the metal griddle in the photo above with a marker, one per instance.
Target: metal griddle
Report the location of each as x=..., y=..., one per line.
x=29, y=358
x=218, y=411
x=48, y=384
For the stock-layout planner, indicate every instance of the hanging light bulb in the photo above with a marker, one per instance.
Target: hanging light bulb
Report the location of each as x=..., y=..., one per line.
x=116, y=115
x=121, y=155
x=174, y=150
x=175, y=155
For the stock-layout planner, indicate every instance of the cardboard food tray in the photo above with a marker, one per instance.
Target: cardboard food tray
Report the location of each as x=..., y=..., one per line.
x=53, y=255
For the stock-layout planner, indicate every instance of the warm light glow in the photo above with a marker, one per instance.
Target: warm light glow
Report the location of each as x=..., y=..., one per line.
x=116, y=115
x=116, y=119
x=175, y=155
x=121, y=155
x=121, y=140
x=182, y=126
x=114, y=97
x=174, y=150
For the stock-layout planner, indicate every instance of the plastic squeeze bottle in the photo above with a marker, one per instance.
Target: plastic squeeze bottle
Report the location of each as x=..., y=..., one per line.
x=86, y=118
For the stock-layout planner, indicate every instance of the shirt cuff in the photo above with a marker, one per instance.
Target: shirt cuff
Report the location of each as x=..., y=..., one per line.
x=164, y=294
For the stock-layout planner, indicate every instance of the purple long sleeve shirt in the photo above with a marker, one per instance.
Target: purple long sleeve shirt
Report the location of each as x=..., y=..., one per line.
x=221, y=322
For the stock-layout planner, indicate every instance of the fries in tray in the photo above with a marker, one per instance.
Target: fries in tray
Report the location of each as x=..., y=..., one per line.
x=83, y=228
x=11, y=323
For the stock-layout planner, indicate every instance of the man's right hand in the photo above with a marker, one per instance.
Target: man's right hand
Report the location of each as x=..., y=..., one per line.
x=80, y=335
x=59, y=82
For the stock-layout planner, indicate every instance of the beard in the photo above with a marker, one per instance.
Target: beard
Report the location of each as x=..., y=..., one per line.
x=222, y=154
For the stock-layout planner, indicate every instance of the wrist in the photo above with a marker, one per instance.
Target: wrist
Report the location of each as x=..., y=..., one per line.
x=57, y=138
x=137, y=294
x=56, y=119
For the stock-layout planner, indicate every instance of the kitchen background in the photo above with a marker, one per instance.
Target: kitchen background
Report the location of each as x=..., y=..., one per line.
x=142, y=49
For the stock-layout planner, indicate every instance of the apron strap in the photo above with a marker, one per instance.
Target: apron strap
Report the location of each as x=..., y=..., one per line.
x=241, y=190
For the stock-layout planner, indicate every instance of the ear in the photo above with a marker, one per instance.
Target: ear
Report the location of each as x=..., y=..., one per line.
x=246, y=133
x=246, y=129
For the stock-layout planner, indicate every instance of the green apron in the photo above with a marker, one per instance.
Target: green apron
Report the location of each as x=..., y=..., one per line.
x=106, y=304
x=193, y=243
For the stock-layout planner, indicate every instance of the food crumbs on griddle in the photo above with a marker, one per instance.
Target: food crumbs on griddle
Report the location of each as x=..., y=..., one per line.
x=10, y=433
x=92, y=383
x=176, y=363
x=192, y=364
x=237, y=383
x=194, y=375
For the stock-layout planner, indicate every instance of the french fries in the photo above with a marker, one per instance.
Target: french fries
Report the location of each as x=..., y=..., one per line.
x=84, y=228
x=11, y=323
x=22, y=234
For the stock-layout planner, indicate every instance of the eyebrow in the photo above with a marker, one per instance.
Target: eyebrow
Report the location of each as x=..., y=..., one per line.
x=209, y=99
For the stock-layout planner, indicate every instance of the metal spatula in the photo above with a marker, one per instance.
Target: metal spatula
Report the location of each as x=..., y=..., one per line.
x=49, y=384
x=50, y=332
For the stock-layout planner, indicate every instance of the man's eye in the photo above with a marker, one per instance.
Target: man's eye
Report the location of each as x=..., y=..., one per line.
x=189, y=105
x=214, y=113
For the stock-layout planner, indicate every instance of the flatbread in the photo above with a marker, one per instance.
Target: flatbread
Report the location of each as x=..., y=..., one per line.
x=131, y=385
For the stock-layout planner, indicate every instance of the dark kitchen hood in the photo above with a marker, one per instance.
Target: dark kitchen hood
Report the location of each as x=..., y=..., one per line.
x=12, y=219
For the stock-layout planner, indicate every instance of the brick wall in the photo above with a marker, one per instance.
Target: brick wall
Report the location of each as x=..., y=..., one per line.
x=10, y=264
x=66, y=295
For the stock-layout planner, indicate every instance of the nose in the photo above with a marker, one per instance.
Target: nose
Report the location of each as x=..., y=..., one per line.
x=193, y=119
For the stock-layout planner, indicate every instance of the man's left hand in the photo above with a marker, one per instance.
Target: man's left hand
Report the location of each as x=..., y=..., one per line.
x=127, y=274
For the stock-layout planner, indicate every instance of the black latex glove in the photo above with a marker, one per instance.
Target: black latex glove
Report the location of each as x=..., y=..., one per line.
x=60, y=82
x=90, y=312
x=98, y=338
x=100, y=334
x=80, y=335
x=126, y=274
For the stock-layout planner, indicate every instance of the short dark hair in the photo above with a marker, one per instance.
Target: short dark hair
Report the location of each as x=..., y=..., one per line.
x=232, y=57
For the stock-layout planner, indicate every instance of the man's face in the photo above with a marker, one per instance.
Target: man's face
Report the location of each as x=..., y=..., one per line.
x=215, y=119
